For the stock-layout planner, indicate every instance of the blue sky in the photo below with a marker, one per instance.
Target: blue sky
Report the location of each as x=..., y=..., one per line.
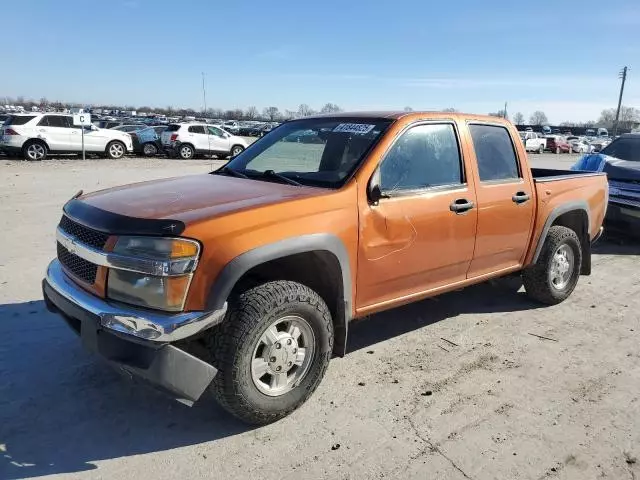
x=560, y=56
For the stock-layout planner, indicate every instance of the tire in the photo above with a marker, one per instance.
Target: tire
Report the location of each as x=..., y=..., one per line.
x=557, y=150
x=186, y=151
x=35, y=151
x=541, y=149
x=115, y=150
x=236, y=150
x=237, y=350
x=542, y=279
x=149, y=150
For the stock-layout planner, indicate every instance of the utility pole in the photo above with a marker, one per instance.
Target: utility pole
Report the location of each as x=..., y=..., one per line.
x=204, y=94
x=505, y=110
x=623, y=76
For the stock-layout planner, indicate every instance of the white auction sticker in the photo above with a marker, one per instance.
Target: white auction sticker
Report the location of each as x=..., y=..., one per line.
x=360, y=128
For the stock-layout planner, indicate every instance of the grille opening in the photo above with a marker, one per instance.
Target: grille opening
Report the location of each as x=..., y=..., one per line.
x=83, y=234
x=84, y=270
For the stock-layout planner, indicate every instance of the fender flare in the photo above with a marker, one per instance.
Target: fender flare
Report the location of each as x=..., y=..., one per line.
x=575, y=205
x=237, y=267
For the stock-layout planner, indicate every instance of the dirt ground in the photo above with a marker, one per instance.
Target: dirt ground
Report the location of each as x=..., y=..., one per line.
x=458, y=387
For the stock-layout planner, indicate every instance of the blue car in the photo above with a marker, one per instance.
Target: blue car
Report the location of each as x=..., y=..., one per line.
x=620, y=160
x=145, y=139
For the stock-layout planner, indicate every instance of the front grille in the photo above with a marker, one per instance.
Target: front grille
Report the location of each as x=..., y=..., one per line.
x=83, y=234
x=81, y=268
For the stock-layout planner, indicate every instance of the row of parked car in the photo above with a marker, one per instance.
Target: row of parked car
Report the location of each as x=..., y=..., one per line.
x=34, y=136
x=539, y=143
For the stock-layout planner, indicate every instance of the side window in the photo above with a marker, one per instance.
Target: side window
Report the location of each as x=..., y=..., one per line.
x=59, y=121
x=44, y=121
x=196, y=129
x=215, y=131
x=424, y=156
x=495, y=154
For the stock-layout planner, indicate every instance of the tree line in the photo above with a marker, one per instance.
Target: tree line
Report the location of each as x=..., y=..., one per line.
x=250, y=113
x=629, y=118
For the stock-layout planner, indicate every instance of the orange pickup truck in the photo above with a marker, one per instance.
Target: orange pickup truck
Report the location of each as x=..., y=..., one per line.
x=244, y=281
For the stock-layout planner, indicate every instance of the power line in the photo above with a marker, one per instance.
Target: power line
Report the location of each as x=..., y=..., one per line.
x=623, y=76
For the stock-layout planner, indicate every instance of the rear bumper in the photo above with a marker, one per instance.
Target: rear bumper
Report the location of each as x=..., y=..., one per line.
x=6, y=148
x=171, y=369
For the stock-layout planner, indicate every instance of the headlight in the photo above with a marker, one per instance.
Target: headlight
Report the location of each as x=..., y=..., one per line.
x=152, y=272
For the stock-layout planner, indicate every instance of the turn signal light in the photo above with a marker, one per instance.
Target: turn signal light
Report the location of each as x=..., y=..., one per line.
x=174, y=137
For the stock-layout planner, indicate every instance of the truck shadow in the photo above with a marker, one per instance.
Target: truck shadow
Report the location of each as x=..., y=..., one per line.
x=482, y=298
x=617, y=243
x=61, y=410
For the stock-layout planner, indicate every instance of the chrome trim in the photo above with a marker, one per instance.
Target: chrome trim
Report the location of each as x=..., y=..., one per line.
x=147, y=324
x=597, y=235
x=146, y=266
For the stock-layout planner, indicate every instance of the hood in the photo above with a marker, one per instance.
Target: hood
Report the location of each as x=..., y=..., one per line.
x=192, y=197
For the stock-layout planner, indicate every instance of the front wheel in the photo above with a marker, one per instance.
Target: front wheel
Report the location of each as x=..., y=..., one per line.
x=554, y=276
x=236, y=150
x=116, y=150
x=271, y=351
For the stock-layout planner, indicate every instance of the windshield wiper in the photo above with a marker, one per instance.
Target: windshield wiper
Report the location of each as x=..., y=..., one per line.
x=272, y=174
x=232, y=172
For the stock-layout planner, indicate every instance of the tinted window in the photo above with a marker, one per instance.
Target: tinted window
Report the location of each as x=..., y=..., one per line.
x=173, y=128
x=56, y=121
x=17, y=119
x=494, y=152
x=624, y=148
x=424, y=156
x=196, y=129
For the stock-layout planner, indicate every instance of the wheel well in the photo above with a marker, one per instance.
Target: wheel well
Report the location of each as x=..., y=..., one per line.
x=578, y=221
x=35, y=140
x=319, y=270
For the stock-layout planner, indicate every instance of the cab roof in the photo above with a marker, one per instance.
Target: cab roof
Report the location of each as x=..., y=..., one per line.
x=413, y=115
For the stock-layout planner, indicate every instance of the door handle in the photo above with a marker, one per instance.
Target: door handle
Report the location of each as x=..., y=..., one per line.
x=520, y=197
x=461, y=205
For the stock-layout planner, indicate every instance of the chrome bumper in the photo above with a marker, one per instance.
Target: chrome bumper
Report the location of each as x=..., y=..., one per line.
x=144, y=324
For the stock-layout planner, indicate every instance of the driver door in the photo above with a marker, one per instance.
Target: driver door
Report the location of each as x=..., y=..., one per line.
x=218, y=141
x=421, y=234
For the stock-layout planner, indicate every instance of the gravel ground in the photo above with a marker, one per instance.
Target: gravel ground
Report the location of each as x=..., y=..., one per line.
x=457, y=387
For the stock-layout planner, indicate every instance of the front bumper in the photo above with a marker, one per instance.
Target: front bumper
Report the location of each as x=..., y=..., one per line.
x=623, y=218
x=164, y=365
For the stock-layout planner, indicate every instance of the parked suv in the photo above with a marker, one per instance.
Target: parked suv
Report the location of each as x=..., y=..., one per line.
x=34, y=136
x=189, y=139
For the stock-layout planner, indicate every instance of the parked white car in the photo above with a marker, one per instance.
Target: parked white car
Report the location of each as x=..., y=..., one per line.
x=34, y=136
x=533, y=142
x=187, y=140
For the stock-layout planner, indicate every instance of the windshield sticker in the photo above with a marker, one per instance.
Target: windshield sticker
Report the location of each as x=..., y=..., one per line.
x=360, y=128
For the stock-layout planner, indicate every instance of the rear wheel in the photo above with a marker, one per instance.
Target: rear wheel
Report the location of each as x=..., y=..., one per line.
x=116, y=150
x=34, y=151
x=149, y=149
x=186, y=152
x=271, y=351
x=554, y=276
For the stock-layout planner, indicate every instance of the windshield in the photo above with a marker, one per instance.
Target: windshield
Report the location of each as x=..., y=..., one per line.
x=624, y=148
x=318, y=152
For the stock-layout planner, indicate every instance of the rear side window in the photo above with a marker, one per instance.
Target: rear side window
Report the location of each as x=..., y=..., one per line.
x=196, y=129
x=424, y=156
x=173, y=128
x=18, y=119
x=495, y=154
x=56, y=121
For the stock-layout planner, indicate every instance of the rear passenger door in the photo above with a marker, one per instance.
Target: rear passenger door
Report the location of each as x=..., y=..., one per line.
x=505, y=201
x=54, y=129
x=199, y=137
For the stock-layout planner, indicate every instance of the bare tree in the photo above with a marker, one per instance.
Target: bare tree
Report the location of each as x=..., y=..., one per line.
x=251, y=113
x=272, y=113
x=538, y=118
x=289, y=114
x=330, y=108
x=304, y=110
x=408, y=109
x=451, y=110
x=518, y=118
x=628, y=117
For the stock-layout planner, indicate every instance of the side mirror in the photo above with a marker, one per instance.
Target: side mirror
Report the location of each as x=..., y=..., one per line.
x=375, y=194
